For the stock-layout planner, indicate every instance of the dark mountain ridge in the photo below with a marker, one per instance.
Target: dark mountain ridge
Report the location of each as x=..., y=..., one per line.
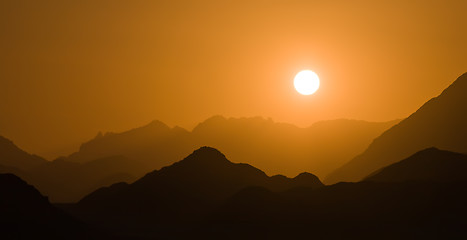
x=429, y=165
x=280, y=148
x=180, y=193
x=363, y=210
x=26, y=214
x=441, y=122
x=206, y=196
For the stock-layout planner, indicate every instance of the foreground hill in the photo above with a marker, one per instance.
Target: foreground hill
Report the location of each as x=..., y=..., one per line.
x=273, y=147
x=364, y=210
x=205, y=196
x=429, y=165
x=180, y=193
x=441, y=122
x=26, y=214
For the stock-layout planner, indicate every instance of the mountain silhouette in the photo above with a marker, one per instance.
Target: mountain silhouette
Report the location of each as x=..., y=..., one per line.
x=278, y=147
x=64, y=181
x=441, y=122
x=179, y=193
x=281, y=148
x=205, y=196
x=431, y=165
x=364, y=210
x=124, y=157
x=26, y=214
x=154, y=145
x=12, y=156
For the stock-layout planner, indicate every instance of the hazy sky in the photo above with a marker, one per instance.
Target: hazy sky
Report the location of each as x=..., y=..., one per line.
x=69, y=69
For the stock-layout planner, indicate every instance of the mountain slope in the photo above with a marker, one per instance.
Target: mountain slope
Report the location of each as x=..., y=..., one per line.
x=64, y=181
x=12, y=156
x=181, y=192
x=205, y=196
x=432, y=165
x=441, y=122
x=26, y=214
x=363, y=210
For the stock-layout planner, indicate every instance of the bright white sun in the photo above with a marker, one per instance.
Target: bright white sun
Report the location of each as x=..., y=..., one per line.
x=306, y=82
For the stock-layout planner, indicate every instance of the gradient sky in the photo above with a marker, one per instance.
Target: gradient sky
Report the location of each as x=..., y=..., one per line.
x=69, y=69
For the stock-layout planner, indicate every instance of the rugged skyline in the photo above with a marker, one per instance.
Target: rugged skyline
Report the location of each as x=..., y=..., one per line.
x=233, y=119
x=336, y=151
x=69, y=69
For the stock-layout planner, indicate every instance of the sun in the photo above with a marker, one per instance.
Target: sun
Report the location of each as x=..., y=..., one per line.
x=306, y=82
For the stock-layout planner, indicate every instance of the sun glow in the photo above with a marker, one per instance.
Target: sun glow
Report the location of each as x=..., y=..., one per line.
x=306, y=82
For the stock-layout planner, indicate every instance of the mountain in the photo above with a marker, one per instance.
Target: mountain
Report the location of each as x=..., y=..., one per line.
x=285, y=148
x=363, y=210
x=441, y=122
x=180, y=193
x=7, y=169
x=124, y=157
x=205, y=196
x=64, y=181
x=278, y=147
x=154, y=145
x=432, y=165
x=12, y=156
x=26, y=214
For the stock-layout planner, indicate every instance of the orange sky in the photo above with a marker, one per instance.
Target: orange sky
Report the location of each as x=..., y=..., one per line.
x=69, y=70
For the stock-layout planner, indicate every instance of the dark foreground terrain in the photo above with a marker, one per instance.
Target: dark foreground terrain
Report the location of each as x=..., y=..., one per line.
x=205, y=196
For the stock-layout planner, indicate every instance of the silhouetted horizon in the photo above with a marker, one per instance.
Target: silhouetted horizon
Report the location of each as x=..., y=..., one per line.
x=144, y=120
x=128, y=155
x=74, y=147
x=205, y=191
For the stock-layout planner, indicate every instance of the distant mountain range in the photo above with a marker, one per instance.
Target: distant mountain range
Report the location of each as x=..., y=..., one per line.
x=441, y=123
x=115, y=157
x=273, y=147
x=64, y=181
x=276, y=148
x=409, y=188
